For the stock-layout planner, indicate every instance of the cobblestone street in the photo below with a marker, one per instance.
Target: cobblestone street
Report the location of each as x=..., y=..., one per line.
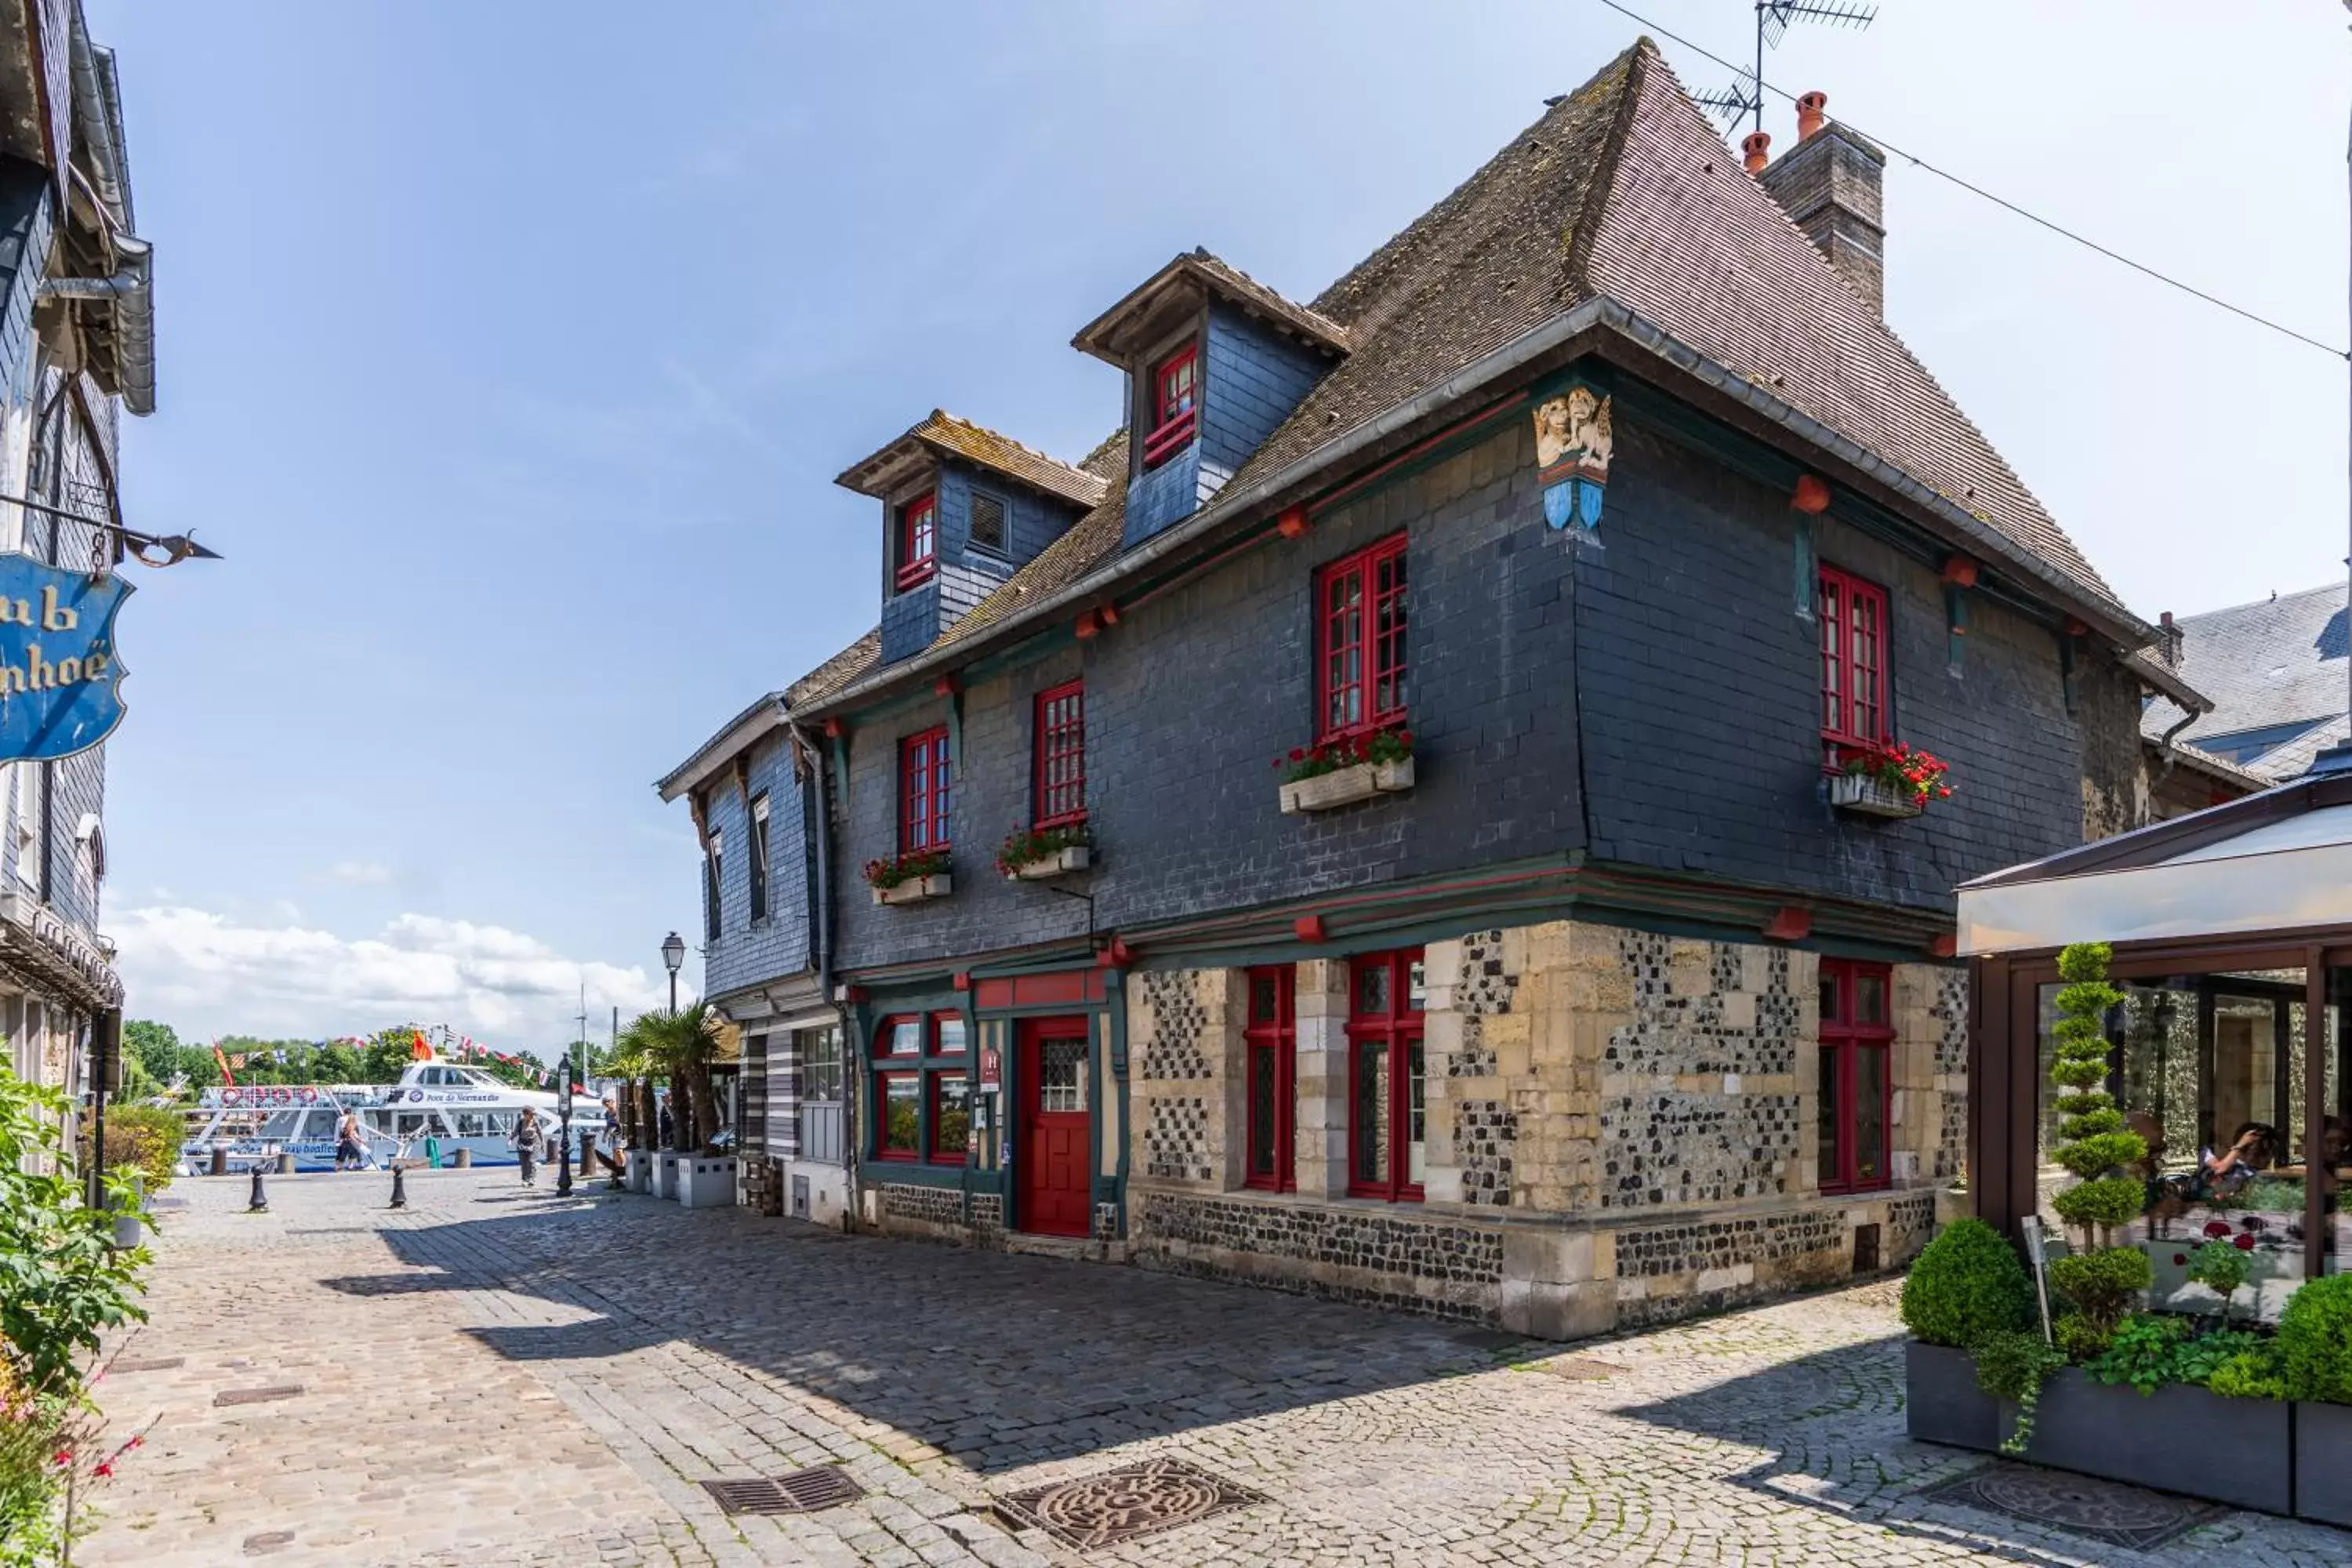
x=492, y=1376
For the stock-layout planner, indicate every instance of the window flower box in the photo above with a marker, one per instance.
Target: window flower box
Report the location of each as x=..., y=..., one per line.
x=1036, y=854
x=1333, y=774
x=1867, y=796
x=916, y=889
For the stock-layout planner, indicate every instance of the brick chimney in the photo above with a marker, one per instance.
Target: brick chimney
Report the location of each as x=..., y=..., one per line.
x=1830, y=183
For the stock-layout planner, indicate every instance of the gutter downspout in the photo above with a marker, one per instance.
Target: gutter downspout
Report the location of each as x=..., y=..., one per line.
x=97, y=114
x=132, y=291
x=2164, y=745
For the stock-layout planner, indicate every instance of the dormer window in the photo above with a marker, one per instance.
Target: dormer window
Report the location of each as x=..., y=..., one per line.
x=917, y=535
x=1176, y=385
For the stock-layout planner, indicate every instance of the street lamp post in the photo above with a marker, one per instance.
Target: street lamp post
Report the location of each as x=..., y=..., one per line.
x=673, y=956
x=563, y=1151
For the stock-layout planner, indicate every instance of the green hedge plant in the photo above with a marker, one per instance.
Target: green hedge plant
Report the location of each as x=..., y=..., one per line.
x=1966, y=1284
x=2315, y=1341
x=2099, y=1280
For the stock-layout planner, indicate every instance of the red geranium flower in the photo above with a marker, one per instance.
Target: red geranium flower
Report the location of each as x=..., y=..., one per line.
x=2216, y=1228
x=2243, y=1241
x=2179, y=1258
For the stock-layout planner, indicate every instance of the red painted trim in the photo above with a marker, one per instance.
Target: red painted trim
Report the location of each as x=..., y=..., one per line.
x=882, y=1082
x=856, y=995
x=946, y=686
x=964, y=980
x=917, y=546
x=926, y=797
x=2075, y=628
x=1175, y=405
x=1308, y=928
x=1790, y=923
x=834, y=729
x=1393, y=1033
x=1960, y=571
x=1811, y=496
x=1109, y=612
x=1270, y=1045
x=1854, y=694
x=1945, y=946
x=1355, y=663
x=994, y=994
x=1057, y=793
x=1293, y=523
x=1842, y=1041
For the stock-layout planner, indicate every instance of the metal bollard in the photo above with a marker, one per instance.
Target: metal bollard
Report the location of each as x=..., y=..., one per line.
x=587, y=1154
x=284, y=1162
x=220, y=1161
x=259, y=1203
x=399, y=1186
x=463, y=1160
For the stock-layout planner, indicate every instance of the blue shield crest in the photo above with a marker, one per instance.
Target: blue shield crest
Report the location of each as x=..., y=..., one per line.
x=60, y=677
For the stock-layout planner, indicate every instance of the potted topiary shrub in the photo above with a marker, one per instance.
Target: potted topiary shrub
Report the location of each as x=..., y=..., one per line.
x=1966, y=1286
x=2315, y=1366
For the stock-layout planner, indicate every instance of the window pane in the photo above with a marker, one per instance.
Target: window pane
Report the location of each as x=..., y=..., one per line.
x=1416, y=987
x=905, y=1037
x=988, y=522
x=1062, y=1074
x=950, y=1033
x=1829, y=1012
x=1373, y=987
x=1369, y=1115
x=901, y=1091
x=1261, y=1119
x=1416, y=1156
x=951, y=1114
x=1266, y=999
x=1830, y=1153
x=1869, y=1115
x=1869, y=997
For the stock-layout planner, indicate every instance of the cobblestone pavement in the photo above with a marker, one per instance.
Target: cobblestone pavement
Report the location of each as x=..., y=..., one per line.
x=493, y=1377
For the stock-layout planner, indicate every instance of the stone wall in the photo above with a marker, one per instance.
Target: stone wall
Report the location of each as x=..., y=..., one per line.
x=1386, y=1258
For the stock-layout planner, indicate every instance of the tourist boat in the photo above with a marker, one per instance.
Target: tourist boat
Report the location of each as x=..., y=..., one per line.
x=437, y=1108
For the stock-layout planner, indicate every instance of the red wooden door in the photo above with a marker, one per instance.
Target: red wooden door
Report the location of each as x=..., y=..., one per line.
x=1054, y=1164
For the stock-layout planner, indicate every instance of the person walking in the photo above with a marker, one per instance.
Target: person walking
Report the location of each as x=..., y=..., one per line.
x=350, y=1150
x=527, y=1146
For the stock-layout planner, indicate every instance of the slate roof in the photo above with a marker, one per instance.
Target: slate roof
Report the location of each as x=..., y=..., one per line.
x=944, y=433
x=1092, y=540
x=2277, y=661
x=1219, y=277
x=856, y=660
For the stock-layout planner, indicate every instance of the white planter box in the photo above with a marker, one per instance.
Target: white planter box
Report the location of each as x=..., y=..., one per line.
x=1346, y=786
x=706, y=1182
x=666, y=1164
x=1059, y=864
x=915, y=890
x=1872, y=797
x=640, y=1173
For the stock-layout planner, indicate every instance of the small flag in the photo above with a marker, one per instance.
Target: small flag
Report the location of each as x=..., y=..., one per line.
x=227, y=1078
x=420, y=1050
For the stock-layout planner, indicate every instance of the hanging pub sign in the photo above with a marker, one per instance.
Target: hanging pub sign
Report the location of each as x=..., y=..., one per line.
x=60, y=677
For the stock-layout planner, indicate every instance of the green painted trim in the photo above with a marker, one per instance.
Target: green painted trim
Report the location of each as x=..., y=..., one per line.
x=1114, y=1020
x=1806, y=567
x=913, y=1173
x=1956, y=627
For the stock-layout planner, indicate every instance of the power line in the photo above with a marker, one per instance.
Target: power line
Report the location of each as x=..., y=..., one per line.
x=2002, y=201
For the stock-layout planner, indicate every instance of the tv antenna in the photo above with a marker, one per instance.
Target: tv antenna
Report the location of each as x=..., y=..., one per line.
x=1745, y=96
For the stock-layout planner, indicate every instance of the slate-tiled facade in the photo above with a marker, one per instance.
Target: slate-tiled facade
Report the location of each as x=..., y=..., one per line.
x=1617, y=860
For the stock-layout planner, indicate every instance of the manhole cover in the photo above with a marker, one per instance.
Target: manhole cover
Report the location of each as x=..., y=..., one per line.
x=803, y=1491
x=269, y=1541
x=161, y=1364
x=1579, y=1368
x=2105, y=1511
x=257, y=1395
x=1118, y=1505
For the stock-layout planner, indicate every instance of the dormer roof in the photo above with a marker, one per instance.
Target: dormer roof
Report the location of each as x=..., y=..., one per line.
x=1129, y=328
x=942, y=434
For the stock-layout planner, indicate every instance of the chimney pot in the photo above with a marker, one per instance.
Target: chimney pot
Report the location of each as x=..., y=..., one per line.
x=1756, y=151
x=1809, y=117
x=2168, y=620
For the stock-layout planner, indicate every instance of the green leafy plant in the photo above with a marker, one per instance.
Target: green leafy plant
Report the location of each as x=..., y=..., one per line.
x=2101, y=1285
x=145, y=1138
x=1390, y=745
x=2277, y=1194
x=62, y=1282
x=2220, y=1267
x=2079, y=1338
x=2099, y=1280
x=902, y=868
x=1905, y=769
x=2257, y=1371
x=2314, y=1339
x=2141, y=1353
x=2012, y=1363
x=1027, y=845
x=1966, y=1284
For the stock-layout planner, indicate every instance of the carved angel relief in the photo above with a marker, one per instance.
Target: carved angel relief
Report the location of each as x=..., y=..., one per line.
x=1573, y=444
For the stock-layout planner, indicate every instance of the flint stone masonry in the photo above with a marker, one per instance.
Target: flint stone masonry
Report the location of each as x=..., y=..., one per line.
x=1171, y=1046
x=1179, y=1228
x=941, y=1206
x=1176, y=1141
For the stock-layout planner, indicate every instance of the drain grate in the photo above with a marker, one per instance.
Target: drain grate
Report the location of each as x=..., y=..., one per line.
x=161, y=1363
x=1105, y=1509
x=803, y=1491
x=2105, y=1511
x=257, y=1395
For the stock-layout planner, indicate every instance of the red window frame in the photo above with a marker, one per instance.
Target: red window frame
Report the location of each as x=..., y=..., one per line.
x=1061, y=771
x=1270, y=1041
x=1393, y=1033
x=1360, y=642
x=918, y=540
x=933, y=1083
x=925, y=792
x=1847, y=1041
x=1854, y=663
x=1175, y=405
x=929, y=1063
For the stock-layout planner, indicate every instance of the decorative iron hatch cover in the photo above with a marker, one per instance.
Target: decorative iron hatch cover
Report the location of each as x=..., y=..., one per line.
x=257, y=1395
x=803, y=1491
x=1103, y=1509
x=2105, y=1511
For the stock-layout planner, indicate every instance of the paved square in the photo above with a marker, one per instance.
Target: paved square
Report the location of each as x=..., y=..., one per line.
x=493, y=1376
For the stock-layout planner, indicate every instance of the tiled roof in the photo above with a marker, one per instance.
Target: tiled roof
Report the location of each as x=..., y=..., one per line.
x=1219, y=277
x=943, y=433
x=837, y=672
x=1091, y=540
x=2278, y=661
x=1622, y=190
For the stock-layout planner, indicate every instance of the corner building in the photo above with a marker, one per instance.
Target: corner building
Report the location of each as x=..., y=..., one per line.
x=1602, y=515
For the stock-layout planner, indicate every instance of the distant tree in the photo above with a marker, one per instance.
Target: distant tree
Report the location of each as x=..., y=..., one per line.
x=156, y=1046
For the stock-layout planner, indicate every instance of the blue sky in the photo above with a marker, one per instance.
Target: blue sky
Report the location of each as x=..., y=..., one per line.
x=508, y=352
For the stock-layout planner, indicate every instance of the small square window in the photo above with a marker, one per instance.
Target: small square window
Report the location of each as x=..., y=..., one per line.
x=988, y=522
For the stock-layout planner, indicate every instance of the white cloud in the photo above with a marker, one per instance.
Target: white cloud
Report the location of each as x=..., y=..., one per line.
x=359, y=873
x=204, y=973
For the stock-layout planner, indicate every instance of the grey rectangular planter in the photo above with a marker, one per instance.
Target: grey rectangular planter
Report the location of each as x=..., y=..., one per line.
x=2322, y=1463
x=2181, y=1438
x=1941, y=1401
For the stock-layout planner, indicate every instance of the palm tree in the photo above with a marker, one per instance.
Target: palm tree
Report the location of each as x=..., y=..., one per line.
x=681, y=1044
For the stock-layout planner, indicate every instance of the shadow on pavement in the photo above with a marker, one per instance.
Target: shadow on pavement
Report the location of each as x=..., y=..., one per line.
x=999, y=1360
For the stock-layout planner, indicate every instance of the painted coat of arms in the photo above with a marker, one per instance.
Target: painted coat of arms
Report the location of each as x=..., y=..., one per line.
x=59, y=676
x=1573, y=450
